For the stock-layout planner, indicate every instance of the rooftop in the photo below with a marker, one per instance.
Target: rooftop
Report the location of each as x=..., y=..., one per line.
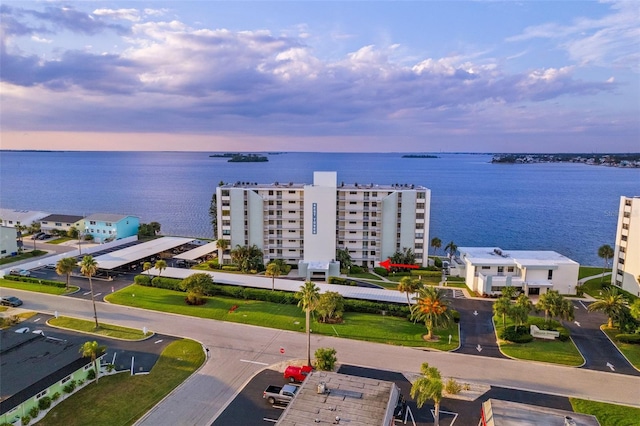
x=525, y=258
x=65, y=218
x=342, y=186
x=198, y=251
x=127, y=255
x=107, y=217
x=357, y=401
x=496, y=412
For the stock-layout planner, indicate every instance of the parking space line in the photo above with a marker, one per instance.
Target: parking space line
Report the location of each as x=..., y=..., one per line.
x=253, y=362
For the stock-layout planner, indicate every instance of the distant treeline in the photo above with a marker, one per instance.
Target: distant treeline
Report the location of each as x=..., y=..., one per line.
x=419, y=156
x=241, y=158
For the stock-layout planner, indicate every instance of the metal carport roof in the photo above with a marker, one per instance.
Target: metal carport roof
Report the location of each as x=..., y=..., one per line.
x=139, y=251
x=198, y=252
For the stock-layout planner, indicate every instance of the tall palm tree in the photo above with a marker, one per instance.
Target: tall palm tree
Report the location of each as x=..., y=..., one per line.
x=160, y=265
x=436, y=243
x=432, y=309
x=408, y=285
x=88, y=268
x=611, y=304
x=65, y=266
x=92, y=350
x=308, y=295
x=145, y=267
x=502, y=306
x=451, y=249
x=549, y=302
x=606, y=253
x=273, y=271
x=428, y=386
x=524, y=305
x=222, y=245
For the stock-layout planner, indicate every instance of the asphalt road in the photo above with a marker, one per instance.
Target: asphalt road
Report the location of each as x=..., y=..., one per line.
x=477, y=335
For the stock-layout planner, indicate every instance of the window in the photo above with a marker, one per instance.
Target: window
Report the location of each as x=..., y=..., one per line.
x=353, y=192
x=292, y=212
x=270, y=192
x=419, y=215
x=510, y=269
x=352, y=232
x=92, y=222
x=292, y=192
x=486, y=267
x=3, y=252
x=292, y=202
x=374, y=194
x=500, y=269
x=353, y=242
x=621, y=261
x=44, y=223
x=372, y=253
x=41, y=394
x=292, y=221
x=226, y=232
x=352, y=222
x=108, y=224
x=353, y=202
x=87, y=367
x=550, y=274
x=624, y=238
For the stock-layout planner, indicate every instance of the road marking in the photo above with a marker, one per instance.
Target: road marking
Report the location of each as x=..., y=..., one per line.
x=97, y=294
x=36, y=320
x=157, y=341
x=611, y=366
x=475, y=313
x=269, y=420
x=479, y=348
x=577, y=323
x=253, y=362
x=455, y=415
x=88, y=292
x=583, y=305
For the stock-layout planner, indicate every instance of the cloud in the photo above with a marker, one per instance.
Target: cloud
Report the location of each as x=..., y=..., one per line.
x=40, y=40
x=71, y=19
x=612, y=39
x=132, y=15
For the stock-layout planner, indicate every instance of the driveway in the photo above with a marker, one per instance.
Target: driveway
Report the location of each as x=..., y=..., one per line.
x=477, y=335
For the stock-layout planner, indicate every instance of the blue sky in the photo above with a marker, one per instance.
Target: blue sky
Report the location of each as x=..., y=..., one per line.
x=480, y=76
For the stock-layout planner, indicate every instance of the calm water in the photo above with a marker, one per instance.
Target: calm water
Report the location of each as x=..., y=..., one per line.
x=570, y=208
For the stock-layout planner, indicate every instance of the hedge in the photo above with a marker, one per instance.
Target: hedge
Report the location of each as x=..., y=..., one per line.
x=35, y=281
x=628, y=338
x=341, y=281
x=426, y=273
x=516, y=334
x=381, y=271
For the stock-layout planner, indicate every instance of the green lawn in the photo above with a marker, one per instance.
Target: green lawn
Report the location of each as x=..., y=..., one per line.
x=551, y=351
x=632, y=352
x=589, y=271
x=122, y=399
x=594, y=287
x=359, y=326
x=107, y=330
x=60, y=240
x=607, y=414
x=28, y=255
x=36, y=287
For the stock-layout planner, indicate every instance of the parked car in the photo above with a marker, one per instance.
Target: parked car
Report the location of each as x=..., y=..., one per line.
x=297, y=374
x=20, y=272
x=10, y=301
x=280, y=394
x=36, y=235
x=50, y=266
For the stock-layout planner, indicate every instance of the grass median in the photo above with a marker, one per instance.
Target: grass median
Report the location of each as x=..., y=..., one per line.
x=631, y=351
x=106, y=330
x=551, y=351
x=40, y=288
x=607, y=414
x=360, y=326
x=121, y=399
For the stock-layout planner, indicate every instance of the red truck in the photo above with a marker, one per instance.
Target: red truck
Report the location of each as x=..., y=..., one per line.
x=297, y=374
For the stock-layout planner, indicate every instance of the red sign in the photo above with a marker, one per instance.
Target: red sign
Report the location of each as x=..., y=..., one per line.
x=386, y=264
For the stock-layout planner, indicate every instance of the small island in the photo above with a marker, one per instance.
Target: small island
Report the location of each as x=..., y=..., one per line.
x=610, y=160
x=419, y=156
x=241, y=158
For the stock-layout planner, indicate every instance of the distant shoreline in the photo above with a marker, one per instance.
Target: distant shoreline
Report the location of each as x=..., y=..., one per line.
x=629, y=161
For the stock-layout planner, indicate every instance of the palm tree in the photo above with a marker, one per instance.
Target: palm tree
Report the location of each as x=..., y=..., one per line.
x=273, y=271
x=509, y=292
x=65, y=266
x=408, y=285
x=308, y=295
x=432, y=309
x=428, y=386
x=451, y=248
x=92, y=350
x=436, y=243
x=549, y=302
x=502, y=306
x=146, y=266
x=524, y=305
x=605, y=252
x=222, y=245
x=160, y=265
x=611, y=304
x=89, y=267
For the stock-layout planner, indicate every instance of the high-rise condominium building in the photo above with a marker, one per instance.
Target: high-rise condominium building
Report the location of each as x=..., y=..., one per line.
x=626, y=258
x=305, y=224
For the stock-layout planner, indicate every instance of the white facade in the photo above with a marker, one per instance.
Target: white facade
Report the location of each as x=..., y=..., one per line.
x=298, y=222
x=13, y=217
x=489, y=269
x=626, y=258
x=8, y=241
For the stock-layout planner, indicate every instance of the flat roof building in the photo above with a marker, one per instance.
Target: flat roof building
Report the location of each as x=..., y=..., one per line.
x=334, y=398
x=626, y=258
x=306, y=223
x=489, y=269
x=496, y=412
x=13, y=217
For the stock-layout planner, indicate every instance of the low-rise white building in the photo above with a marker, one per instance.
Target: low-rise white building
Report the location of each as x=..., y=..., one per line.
x=8, y=241
x=14, y=217
x=626, y=258
x=487, y=270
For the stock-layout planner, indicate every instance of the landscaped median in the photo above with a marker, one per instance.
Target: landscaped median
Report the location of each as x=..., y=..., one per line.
x=630, y=350
x=607, y=414
x=542, y=350
x=106, y=330
x=121, y=399
x=355, y=325
x=33, y=284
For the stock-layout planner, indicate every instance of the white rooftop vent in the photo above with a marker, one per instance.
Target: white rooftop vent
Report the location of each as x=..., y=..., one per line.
x=322, y=387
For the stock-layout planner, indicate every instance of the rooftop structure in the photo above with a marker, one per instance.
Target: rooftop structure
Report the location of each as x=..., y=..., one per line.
x=13, y=217
x=626, y=258
x=496, y=412
x=138, y=252
x=198, y=252
x=488, y=269
x=333, y=398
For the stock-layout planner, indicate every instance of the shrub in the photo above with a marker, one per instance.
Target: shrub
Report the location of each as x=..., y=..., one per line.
x=194, y=300
x=6, y=424
x=425, y=273
x=33, y=412
x=144, y=280
x=564, y=334
x=70, y=387
x=26, y=419
x=355, y=269
x=231, y=268
x=381, y=271
x=91, y=374
x=44, y=403
x=437, y=262
x=628, y=338
x=55, y=396
x=456, y=316
x=341, y=281
x=516, y=334
x=452, y=387
x=35, y=281
x=80, y=382
x=167, y=283
x=325, y=359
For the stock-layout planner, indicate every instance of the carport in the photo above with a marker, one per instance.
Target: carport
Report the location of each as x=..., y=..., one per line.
x=198, y=252
x=129, y=255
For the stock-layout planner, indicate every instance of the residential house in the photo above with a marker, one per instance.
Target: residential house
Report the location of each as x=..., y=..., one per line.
x=13, y=217
x=105, y=227
x=61, y=222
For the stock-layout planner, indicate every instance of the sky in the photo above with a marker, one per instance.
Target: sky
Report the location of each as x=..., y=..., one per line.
x=321, y=76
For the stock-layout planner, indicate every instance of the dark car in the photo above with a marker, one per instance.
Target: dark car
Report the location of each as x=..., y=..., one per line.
x=10, y=301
